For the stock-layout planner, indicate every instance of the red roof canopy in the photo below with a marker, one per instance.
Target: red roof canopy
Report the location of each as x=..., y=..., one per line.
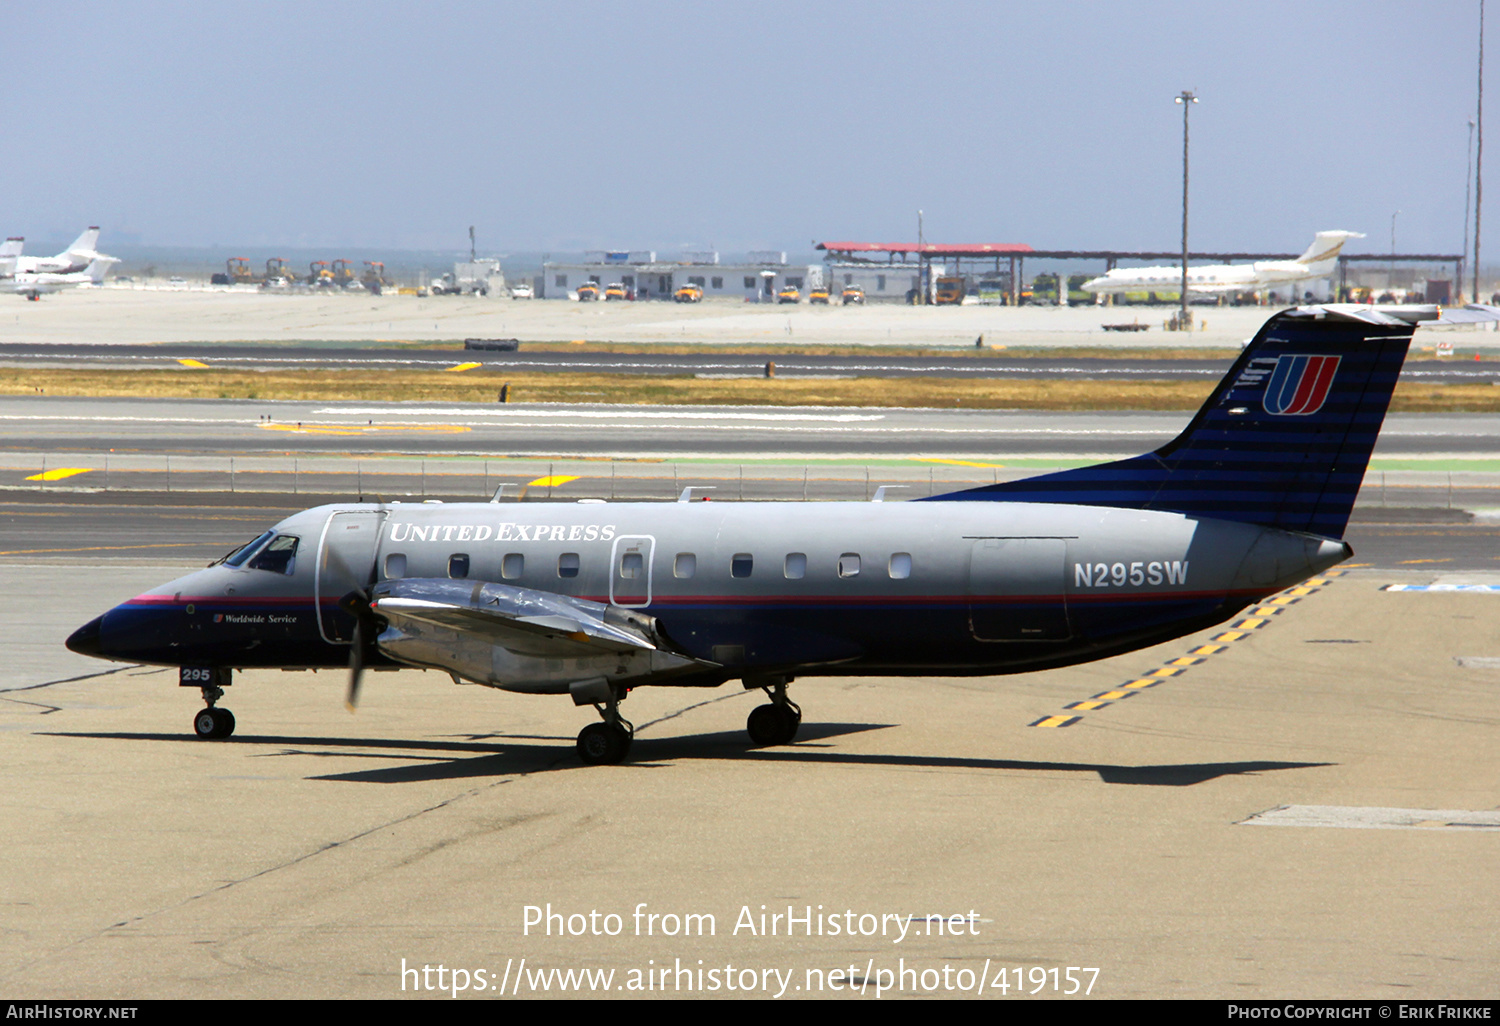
x=974, y=249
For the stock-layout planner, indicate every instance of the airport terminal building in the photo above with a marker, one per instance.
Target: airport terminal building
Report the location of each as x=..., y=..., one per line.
x=756, y=279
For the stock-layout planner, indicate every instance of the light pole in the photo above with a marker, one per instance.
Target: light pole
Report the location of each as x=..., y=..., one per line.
x=1479, y=155
x=1390, y=271
x=1187, y=99
x=1468, y=192
x=921, y=265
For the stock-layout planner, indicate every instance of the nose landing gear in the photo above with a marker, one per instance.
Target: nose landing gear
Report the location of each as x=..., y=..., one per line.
x=213, y=723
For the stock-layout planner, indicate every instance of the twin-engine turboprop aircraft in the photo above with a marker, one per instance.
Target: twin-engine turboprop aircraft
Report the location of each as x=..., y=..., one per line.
x=594, y=599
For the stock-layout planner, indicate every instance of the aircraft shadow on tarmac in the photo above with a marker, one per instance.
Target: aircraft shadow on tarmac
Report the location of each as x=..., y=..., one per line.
x=503, y=756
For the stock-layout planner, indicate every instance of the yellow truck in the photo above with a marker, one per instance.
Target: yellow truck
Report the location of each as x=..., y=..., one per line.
x=949, y=290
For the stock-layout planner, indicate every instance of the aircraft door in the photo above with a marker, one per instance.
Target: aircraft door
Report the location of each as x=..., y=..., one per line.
x=630, y=570
x=1017, y=589
x=346, y=562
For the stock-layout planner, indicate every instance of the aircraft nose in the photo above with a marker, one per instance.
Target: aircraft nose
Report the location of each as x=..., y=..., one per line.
x=85, y=640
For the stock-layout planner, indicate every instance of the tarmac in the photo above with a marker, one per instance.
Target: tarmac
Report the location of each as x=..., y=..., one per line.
x=1310, y=812
x=1307, y=809
x=122, y=314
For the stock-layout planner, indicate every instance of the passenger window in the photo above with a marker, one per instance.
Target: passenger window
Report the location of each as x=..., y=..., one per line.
x=796, y=566
x=849, y=564
x=632, y=565
x=900, y=567
x=458, y=565
x=395, y=566
x=741, y=564
x=686, y=565
x=279, y=556
x=512, y=566
x=567, y=564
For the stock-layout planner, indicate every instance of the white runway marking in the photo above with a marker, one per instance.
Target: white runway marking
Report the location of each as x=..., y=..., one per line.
x=1375, y=818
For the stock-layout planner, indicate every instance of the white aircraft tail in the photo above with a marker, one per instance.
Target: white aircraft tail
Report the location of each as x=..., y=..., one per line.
x=98, y=266
x=1324, y=252
x=84, y=246
x=9, y=251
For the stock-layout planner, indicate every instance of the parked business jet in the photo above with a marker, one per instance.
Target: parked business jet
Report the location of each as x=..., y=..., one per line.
x=594, y=599
x=1318, y=262
x=77, y=257
x=35, y=284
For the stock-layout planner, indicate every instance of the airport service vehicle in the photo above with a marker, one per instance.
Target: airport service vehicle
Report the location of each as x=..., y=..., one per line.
x=1318, y=261
x=819, y=294
x=615, y=290
x=589, y=290
x=948, y=291
x=521, y=290
x=852, y=294
x=789, y=294
x=593, y=599
x=449, y=284
x=689, y=293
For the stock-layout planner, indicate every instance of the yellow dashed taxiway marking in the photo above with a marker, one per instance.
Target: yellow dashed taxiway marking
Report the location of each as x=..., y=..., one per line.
x=551, y=482
x=195, y=364
x=460, y=368
x=59, y=473
x=362, y=429
x=966, y=463
x=1243, y=629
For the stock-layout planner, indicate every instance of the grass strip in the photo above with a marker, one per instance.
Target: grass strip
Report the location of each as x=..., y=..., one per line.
x=649, y=389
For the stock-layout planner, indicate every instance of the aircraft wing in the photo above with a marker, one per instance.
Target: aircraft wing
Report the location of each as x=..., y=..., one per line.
x=523, y=620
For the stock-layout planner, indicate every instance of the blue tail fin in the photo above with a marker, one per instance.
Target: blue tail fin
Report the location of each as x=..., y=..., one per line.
x=1283, y=441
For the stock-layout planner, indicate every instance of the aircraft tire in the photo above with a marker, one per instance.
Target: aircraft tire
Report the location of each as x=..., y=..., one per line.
x=600, y=744
x=206, y=724
x=772, y=725
x=213, y=724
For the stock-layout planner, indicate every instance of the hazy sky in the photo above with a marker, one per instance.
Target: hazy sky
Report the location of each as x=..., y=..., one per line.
x=566, y=126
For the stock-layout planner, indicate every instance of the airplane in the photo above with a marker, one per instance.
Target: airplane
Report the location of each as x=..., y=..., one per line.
x=1318, y=262
x=34, y=284
x=593, y=599
x=77, y=257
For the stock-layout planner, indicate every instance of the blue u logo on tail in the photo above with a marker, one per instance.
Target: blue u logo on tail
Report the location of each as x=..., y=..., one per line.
x=1299, y=385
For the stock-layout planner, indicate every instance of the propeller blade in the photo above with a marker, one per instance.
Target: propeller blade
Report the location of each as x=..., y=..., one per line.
x=357, y=605
x=356, y=665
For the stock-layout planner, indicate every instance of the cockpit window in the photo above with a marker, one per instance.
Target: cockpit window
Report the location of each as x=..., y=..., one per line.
x=279, y=556
x=242, y=553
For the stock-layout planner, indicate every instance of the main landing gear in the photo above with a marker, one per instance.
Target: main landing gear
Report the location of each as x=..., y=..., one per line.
x=213, y=723
x=607, y=742
x=777, y=723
